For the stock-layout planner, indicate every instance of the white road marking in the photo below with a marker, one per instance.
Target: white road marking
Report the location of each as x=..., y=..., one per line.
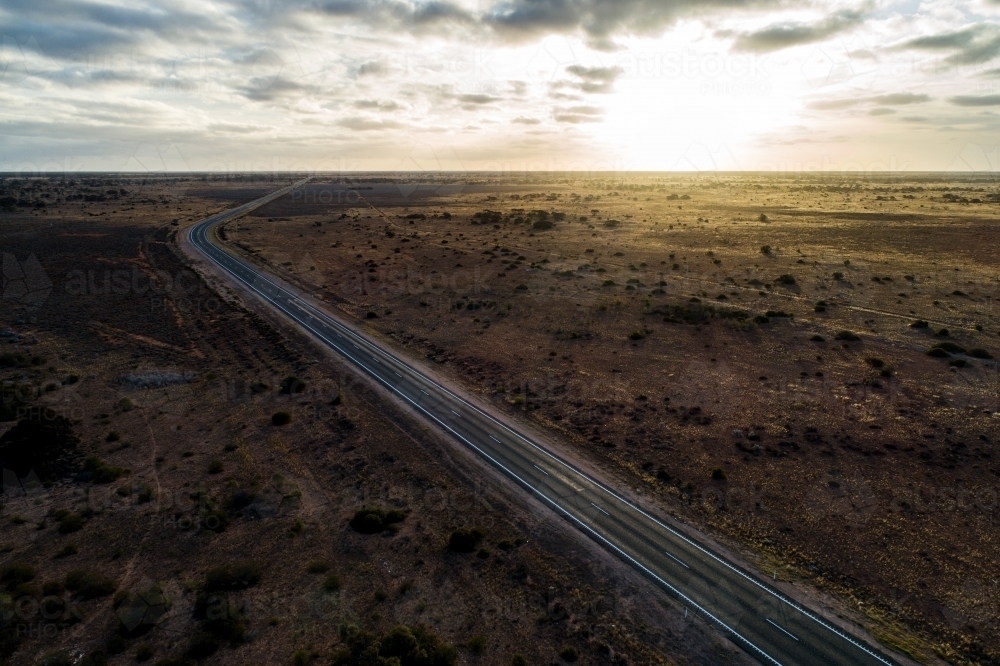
x=599, y=508
x=495, y=439
x=456, y=413
x=398, y=375
x=775, y=624
x=541, y=470
x=424, y=392
x=676, y=560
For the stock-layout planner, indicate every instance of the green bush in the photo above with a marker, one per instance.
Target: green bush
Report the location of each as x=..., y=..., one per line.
x=71, y=522
x=786, y=279
x=202, y=645
x=920, y=323
x=847, y=336
x=407, y=646
x=281, y=418
x=293, y=384
x=45, y=446
x=17, y=573
x=318, y=567
x=331, y=583
x=56, y=658
x=719, y=474
x=875, y=362
x=229, y=577
x=476, y=644
x=144, y=652
x=101, y=472
x=464, y=541
x=818, y=338
x=949, y=347
x=372, y=520
x=88, y=584
x=978, y=352
x=518, y=660
x=569, y=653
x=215, y=467
x=67, y=550
x=937, y=352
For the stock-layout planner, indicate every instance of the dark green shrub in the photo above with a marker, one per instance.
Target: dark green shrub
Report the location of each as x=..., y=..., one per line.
x=476, y=644
x=281, y=418
x=978, y=352
x=949, y=347
x=292, y=384
x=318, y=567
x=464, y=541
x=719, y=474
x=101, y=472
x=875, y=362
x=920, y=323
x=144, y=652
x=786, y=279
x=637, y=335
x=847, y=336
x=937, y=352
x=518, y=660
x=569, y=653
x=818, y=338
x=229, y=577
x=765, y=249
x=67, y=550
x=88, y=584
x=215, y=467
x=44, y=446
x=331, y=583
x=95, y=658
x=202, y=645
x=71, y=522
x=17, y=573
x=113, y=436
x=372, y=520
x=56, y=658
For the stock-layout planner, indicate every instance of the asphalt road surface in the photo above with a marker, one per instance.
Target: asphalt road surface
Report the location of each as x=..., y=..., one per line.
x=766, y=624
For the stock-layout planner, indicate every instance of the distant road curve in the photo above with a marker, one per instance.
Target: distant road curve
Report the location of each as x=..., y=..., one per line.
x=769, y=626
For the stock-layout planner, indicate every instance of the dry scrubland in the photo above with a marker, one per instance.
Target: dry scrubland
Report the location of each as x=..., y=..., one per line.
x=800, y=364
x=199, y=469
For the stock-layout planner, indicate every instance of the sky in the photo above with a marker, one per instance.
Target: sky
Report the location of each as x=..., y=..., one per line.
x=242, y=86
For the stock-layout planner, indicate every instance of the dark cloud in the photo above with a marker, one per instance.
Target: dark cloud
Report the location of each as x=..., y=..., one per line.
x=524, y=120
x=881, y=111
x=414, y=15
x=268, y=90
x=975, y=100
x=373, y=68
x=477, y=98
x=377, y=105
x=599, y=19
x=593, y=79
x=362, y=124
x=975, y=44
x=784, y=35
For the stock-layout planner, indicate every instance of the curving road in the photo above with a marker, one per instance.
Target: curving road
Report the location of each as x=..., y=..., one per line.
x=766, y=624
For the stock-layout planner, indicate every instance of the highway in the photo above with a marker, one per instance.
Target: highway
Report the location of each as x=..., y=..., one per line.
x=768, y=625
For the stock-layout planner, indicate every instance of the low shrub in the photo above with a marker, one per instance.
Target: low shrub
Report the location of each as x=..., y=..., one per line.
x=949, y=347
x=569, y=653
x=71, y=522
x=331, y=583
x=281, y=418
x=978, y=352
x=920, y=323
x=17, y=573
x=464, y=541
x=229, y=577
x=318, y=567
x=847, y=336
x=372, y=520
x=88, y=584
x=786, y=279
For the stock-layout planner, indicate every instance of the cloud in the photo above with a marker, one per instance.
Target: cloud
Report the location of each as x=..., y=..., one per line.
x=362, y=124
x=593, y=79
x=881, y=111
x=478, y=98
x=975, y=100
x=888, y=99
x=784, y=35
x=267, y=90
x=373, y=68
x=377, y=105
x=978, y=43
x=578, y=114
x=525, y=120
